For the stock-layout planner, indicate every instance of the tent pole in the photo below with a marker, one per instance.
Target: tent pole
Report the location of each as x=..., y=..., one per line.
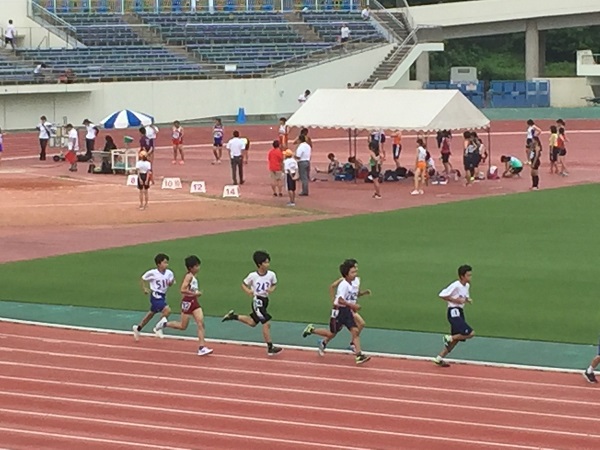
x=349, y=142
x=489, y=148
x=355, y=162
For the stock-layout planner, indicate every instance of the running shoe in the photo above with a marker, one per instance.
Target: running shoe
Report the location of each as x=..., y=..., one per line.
x=308, y=330
x=447, y=340
x=203, y=351
x=590, y=377
x=159, y=327
x=322, y=347
x=228, y=316
x=361, y=359
x=136, y=333
x=440, y=362
x=274, y=351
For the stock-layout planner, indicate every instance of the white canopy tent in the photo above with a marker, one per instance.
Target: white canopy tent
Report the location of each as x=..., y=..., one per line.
x=389, y=109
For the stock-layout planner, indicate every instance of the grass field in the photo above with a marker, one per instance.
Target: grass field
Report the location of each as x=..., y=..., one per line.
x=535, y=259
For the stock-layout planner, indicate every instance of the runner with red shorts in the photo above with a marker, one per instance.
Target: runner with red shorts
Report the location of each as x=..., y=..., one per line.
x=189, y=305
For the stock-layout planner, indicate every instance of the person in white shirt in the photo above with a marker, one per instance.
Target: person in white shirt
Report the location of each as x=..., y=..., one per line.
x=342, y=314
x=236, y=147
x=151, y=132
x=10, y=35
x=457, y=295
x=344, y=35
x=303, y=154
x=144, y=178
x=290, y=168
x=72, y=147
x=303, y=97
x=259, y=285
x=420, y=167
x=366, y=13
x=155, y=283
x=91, y=131
x=46, y=130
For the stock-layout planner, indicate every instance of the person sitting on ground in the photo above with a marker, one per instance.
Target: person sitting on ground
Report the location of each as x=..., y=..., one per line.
x=332, y=169
x=512, y=166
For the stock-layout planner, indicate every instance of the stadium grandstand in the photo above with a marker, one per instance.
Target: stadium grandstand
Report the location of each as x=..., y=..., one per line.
x=127, y=40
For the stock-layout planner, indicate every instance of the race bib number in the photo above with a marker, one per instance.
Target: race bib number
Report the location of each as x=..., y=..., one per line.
x=185, y=306
x=455, y=312
x=258, y=303
x=334, y=313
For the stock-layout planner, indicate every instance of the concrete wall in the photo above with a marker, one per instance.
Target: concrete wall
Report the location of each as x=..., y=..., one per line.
x=21, y=106
x=568, y=92
x=30, y=33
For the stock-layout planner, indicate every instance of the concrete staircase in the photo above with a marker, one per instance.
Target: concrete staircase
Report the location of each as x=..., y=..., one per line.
x=146, y=33
x=302, y=28
x=394, y=23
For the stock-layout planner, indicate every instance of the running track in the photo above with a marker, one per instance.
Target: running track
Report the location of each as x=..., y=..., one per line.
x=68, y=389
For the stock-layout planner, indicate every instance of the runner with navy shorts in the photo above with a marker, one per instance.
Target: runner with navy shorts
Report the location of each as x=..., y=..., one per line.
x=218, y=133
x=259, y=285
x=155, y=283
x=190, y=307
x=342, y=314
x=457, y=295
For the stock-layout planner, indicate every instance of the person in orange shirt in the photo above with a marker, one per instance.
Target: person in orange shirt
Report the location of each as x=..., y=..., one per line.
x=275, y=158
x=397, y=147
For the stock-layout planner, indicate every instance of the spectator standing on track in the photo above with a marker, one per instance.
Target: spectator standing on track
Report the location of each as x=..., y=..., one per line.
x=218, y=133
x=10, y=35
x=151, y=132
x=275, y=158
x=290, y=168
x=91, y=131
x=46, y=130
x=236, y=147
x=303, y=155
x=72, y=147
x=144, y=177
x=177, y=141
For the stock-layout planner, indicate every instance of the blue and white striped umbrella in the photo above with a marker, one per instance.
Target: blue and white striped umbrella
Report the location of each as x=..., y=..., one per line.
x=125, y=119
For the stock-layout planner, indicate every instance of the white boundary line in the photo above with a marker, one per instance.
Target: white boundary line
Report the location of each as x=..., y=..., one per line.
x=297, y=347
x=369, y=369
x=308, y=378
x=334, y=139
x=186, y=411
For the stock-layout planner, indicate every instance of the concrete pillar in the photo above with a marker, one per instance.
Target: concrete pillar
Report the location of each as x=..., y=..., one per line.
x=423, y=67
x=532, y=50
x=542, y=64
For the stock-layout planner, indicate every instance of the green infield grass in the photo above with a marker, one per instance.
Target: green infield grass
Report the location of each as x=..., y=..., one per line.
x=535, y=259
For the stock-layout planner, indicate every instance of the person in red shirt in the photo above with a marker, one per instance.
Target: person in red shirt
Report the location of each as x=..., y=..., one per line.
x=275, y=158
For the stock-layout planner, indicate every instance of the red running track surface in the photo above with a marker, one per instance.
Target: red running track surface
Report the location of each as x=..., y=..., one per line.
x=67, y=389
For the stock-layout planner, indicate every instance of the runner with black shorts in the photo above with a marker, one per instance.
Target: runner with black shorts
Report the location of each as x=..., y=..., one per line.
x=259, y=284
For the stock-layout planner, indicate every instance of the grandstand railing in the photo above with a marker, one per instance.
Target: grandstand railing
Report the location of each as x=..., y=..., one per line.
x=181, y=6
x=379, y=7
x=40, y=38
x=323, y=56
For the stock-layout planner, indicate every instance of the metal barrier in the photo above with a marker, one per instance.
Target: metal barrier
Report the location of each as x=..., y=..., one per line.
x=180, y=6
